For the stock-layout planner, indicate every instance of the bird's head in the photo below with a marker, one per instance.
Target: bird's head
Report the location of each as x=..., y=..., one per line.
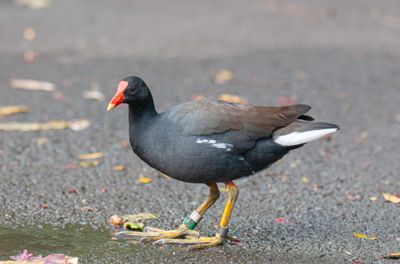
x=131, y=90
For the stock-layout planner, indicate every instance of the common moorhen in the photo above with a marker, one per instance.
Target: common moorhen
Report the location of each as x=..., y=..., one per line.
x=210, y=141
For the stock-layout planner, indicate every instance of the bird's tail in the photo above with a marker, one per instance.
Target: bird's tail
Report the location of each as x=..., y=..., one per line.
x=301, y=132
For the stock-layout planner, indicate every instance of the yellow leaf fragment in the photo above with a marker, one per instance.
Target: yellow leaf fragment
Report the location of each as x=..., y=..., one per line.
x=33, y=85
x=89, y=163
x=14, y=109
x=94, y=155
x=75, y=125
x=391, y=197
x=145, y=180
x=231, y=98
x=364, y=236
x=305, y=180
x=119, y=168
x=373, y=198
x=223, y=77
x=394, y=255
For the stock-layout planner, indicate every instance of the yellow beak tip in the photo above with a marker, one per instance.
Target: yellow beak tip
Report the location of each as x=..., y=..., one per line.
x=110, y=107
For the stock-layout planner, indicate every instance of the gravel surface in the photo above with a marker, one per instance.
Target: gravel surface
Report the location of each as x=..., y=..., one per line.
x=340, y=57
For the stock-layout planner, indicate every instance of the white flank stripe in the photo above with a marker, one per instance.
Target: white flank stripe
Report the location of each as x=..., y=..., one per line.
x=297, y=138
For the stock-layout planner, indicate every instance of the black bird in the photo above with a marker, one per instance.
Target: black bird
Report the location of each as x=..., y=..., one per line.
x=210, y=141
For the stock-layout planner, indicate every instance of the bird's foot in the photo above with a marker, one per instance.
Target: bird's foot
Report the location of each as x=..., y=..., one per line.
x=152, y=234
x=194, y=242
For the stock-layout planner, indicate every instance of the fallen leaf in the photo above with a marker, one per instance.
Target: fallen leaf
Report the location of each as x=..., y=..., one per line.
x=30, y=56
x=284, y=100
x=14, y=109
x=373, y=198
x=353, y=197
x=231, y=98
x=223, y=77
x=119, y=168
x=305, y=180
x=73, y=190
x=33, y=85
x=135, y=226
x=364, y=236
x=44, y=206
x=94, y=155
x=78, y=124
x=145, y=180
x=391, y=197
x=198, y=97
x=33, y=4
x=29, y=34
x=94, y=95
x=116, y=220
x=89, y=163
x=139, y=217
x=75, y=125
x=394, y=255
x=282, y=220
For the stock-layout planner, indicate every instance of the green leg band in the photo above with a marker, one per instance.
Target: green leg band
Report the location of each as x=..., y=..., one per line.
x=192, y=220
x=190, y=223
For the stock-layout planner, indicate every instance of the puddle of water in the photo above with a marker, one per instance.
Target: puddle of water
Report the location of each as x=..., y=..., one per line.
x=90, y=245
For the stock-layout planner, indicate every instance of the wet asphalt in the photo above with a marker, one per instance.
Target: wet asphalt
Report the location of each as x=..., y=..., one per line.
x=341, y=57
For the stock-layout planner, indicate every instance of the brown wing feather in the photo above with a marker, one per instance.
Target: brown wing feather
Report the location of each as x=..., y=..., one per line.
x=205, y=117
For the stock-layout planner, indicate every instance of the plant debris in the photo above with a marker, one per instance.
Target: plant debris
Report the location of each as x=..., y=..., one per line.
x=119, y=168
x=94, y=95
x=139, y=217
x=231, y=98
x=145, y=180
x=75, y=125
x=116, y=220
x=364, y=236
x=394, y=255
x=89, y=163
x=33, y=85
x=29, y=34
x=391, y=197
x=94, y=155
x=14, y=109
x=30, y=56
x=223, y=77
x=134, y=226
x=33, y=4
x=282, y=220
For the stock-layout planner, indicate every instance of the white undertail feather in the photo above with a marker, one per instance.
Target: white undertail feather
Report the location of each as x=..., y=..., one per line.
x=298, y=138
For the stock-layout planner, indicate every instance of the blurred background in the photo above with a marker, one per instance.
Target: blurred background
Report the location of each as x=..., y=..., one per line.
x=62, y=60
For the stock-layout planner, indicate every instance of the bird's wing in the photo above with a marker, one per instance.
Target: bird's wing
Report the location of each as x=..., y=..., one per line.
x=206, y=117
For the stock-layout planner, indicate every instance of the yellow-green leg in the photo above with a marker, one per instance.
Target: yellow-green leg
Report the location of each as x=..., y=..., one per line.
x=203, y=242
x=185, y=229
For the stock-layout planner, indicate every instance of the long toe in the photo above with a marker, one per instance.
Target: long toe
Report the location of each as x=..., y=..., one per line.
x=195, y=242
x=152, y=234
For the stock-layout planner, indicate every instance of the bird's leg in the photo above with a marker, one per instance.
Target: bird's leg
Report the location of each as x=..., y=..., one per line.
x=203, y=242
x=185, y=229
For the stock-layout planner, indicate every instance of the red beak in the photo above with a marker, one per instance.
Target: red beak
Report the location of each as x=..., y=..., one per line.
x=119, y=95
